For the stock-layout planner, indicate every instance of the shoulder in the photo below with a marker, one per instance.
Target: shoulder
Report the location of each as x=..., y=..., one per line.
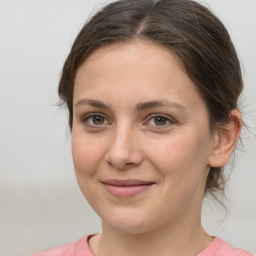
x=73, y=249
x=221, y=248
x=64, y=250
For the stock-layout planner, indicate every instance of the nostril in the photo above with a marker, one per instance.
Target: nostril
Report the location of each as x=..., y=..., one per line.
x=121, y=161
x=118, y=163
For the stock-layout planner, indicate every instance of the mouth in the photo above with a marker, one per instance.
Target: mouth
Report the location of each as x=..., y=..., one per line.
x=126, y=188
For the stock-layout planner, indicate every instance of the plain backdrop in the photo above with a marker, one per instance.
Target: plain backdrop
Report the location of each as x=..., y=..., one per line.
x=40, y=203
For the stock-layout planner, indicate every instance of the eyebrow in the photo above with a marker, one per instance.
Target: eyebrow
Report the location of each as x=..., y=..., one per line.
x=94, y=103
x=139, y=107
x=162, y=103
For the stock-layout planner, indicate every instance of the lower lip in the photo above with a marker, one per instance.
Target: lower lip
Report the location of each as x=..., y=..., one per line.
x=126, y=191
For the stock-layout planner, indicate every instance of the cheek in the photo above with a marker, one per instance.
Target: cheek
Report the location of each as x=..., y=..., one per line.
x=86, y=155
x=183, y=156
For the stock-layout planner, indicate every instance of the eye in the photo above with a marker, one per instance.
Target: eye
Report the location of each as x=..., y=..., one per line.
x=160, y=121
x=95, y=120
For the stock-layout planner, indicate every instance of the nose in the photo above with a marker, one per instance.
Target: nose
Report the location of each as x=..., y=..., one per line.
x=124, y=151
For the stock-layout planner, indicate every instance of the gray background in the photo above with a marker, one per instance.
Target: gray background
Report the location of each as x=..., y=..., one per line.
x=40, y=203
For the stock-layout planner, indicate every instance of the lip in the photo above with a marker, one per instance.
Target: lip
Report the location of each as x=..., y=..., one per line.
x=126, y=188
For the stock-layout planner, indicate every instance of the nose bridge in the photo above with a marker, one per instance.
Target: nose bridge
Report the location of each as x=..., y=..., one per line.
x=124, y=149
x=123, y=137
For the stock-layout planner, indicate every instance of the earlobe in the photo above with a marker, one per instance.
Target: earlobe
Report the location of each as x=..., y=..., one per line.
x=225, y=140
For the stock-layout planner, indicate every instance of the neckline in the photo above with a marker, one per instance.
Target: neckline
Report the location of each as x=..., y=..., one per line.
x=82, y=247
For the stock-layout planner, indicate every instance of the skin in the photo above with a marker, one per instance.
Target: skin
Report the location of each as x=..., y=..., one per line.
x=116, y=135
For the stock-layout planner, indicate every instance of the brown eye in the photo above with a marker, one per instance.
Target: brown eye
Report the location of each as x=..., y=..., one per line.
x=98, y=120
x=95, y=121
x=160, y=120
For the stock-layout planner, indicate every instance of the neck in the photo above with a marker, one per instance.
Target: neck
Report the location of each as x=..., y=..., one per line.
x=188, y=240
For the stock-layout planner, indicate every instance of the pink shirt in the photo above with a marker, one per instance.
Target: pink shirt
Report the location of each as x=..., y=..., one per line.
x=217, y=247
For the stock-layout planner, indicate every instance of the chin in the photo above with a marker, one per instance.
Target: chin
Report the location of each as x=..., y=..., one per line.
x=132, y=224
x=131, y=228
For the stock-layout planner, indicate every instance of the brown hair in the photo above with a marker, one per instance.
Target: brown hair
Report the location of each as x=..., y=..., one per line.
x=187, y=28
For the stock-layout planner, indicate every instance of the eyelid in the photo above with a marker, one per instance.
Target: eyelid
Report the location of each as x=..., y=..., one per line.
x=84, y=119
x=171, y=121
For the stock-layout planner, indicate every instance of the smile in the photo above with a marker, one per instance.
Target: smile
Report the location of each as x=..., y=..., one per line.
x=126, y=188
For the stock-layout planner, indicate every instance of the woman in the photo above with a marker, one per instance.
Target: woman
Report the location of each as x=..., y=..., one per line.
x=152, y=89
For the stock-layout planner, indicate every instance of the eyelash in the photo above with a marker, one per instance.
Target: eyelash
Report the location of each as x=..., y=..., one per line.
x=170, y=121
x=167, y=119
x=85, y=121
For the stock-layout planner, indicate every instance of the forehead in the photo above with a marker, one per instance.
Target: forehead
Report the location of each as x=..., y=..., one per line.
x=137, y=50
x=133, y=58
x=140, y=68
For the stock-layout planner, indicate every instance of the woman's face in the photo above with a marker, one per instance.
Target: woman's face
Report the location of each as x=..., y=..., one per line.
x=140, y=138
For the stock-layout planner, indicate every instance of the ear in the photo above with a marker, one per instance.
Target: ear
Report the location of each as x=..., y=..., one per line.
x=225, y=140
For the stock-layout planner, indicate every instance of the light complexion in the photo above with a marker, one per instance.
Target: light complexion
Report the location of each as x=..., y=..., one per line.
x=142, y=149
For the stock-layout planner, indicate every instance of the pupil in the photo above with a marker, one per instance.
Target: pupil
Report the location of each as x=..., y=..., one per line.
x=98, y=120
x=160, y=120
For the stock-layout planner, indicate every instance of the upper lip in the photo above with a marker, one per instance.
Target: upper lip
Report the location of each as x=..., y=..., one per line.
x=128, y=182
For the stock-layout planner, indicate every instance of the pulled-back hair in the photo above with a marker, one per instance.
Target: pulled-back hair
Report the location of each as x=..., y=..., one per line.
x=185, y=27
